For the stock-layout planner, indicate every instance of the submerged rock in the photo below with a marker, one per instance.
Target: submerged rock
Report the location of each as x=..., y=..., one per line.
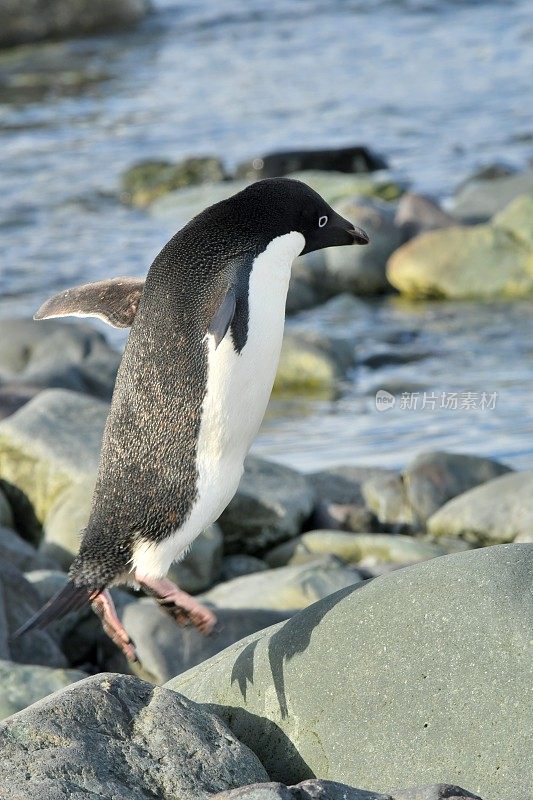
x=115, y=736
x=412, y=678
x=497, y=511
x=145, y=182
x=36, y=20
x=270, y=506
x=493, y=260
x=24, y=684
x=284, y=589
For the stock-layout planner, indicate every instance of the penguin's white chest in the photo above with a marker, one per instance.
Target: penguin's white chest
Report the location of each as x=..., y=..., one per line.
x=237, y=394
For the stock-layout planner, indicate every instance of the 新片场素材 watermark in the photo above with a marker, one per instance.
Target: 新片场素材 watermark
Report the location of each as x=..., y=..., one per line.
x=433, y=401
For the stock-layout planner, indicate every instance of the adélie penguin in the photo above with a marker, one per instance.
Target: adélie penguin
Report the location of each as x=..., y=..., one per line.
x=191, y=390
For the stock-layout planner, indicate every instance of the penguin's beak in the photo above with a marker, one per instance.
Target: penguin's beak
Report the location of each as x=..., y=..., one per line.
x=336, y=233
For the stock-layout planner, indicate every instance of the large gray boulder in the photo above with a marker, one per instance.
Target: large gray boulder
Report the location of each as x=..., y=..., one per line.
x=116, y=737
x=54, y=354
x=497, y=511
x=34, y=20
x=270, y=506
x=24, y=684
x=415, y=677
x=434, y=478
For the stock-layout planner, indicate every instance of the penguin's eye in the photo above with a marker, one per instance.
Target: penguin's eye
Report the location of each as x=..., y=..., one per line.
x=322, y=221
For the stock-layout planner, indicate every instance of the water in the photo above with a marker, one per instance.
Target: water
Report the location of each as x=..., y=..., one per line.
x=438, y=87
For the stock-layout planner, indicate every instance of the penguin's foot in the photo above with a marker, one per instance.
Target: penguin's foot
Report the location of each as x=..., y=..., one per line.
x=104, y=607
x=178, y=604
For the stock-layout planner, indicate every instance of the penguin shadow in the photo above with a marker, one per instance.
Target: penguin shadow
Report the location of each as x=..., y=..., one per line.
x=291, y=639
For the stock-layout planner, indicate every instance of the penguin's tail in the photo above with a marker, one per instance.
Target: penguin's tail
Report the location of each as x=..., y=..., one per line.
x=69, y=598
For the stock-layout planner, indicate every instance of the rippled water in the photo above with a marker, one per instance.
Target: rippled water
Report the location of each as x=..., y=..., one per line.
x=438, y=87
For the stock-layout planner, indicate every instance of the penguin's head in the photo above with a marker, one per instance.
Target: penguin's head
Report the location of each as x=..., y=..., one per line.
x=284, y=205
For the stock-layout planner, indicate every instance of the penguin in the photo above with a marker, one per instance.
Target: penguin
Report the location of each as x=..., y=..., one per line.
x=191, y=390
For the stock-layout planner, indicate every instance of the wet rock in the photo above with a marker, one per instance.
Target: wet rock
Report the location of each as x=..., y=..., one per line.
x=51, y=443
x=20, y=554
x=116, y=736
x=481, y=197
x=36, y=20
x=145, y=182
x=312, y=364
x=434, y=478
x=417, y=213
x=362, y=270
x=270, y=506
x=54, y=354
x=18, y=601
x=316, y=789
x=286, y=588
x=342, y=159
x=166, y=649
x=492, y=260
x=240, y=564
x=431, y=659
x=353, y=548
x=386, y=496
x=24, y=684
x=497, y=511
x=201, y=566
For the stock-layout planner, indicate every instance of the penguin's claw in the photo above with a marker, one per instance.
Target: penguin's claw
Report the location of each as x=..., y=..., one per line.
x=104, y=607
x=178, y=604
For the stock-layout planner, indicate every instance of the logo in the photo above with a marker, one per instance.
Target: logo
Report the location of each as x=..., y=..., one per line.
x=384, y=400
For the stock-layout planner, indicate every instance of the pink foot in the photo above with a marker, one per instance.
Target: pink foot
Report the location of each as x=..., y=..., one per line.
x=104, y=607
x=180, y=605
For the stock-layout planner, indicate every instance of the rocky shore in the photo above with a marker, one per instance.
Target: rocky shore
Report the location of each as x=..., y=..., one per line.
x=373, y=637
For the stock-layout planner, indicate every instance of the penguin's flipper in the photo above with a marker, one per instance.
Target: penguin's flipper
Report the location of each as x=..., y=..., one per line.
x=114, y=301
x=223, y=317
x=69, y=598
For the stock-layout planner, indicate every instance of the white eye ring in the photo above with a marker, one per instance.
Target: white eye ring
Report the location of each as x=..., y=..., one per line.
x=322, y=221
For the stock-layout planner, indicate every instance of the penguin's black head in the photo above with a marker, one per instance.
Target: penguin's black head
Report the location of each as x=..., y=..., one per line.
x=283, y=205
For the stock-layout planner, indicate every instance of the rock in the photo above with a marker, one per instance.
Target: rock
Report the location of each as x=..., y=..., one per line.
x=338, y=517
x=342, y=159
x=13, y=396
x=6, y=515
x=362, y=270
x=480, y=198
x=240, y=564
x=312, y=364
x=386, y=496
x=145, y=182
x=353, y=548
x=20, y=554
x=286, y=588
x=114, y=736
x=24, y=684
x=330, y=790
x=59, y=19
x=166, y=649
x=270, y=506
x=201, y=566
x=54, y=354
x=65, y=520
x=182, y=205
x=417, y=213
x=18, y=601
x=337, y=186
x=51, y=443
x=431, y=660
x=434, y=478
x=497, y=511
x=342, y=484
x=481, y=261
